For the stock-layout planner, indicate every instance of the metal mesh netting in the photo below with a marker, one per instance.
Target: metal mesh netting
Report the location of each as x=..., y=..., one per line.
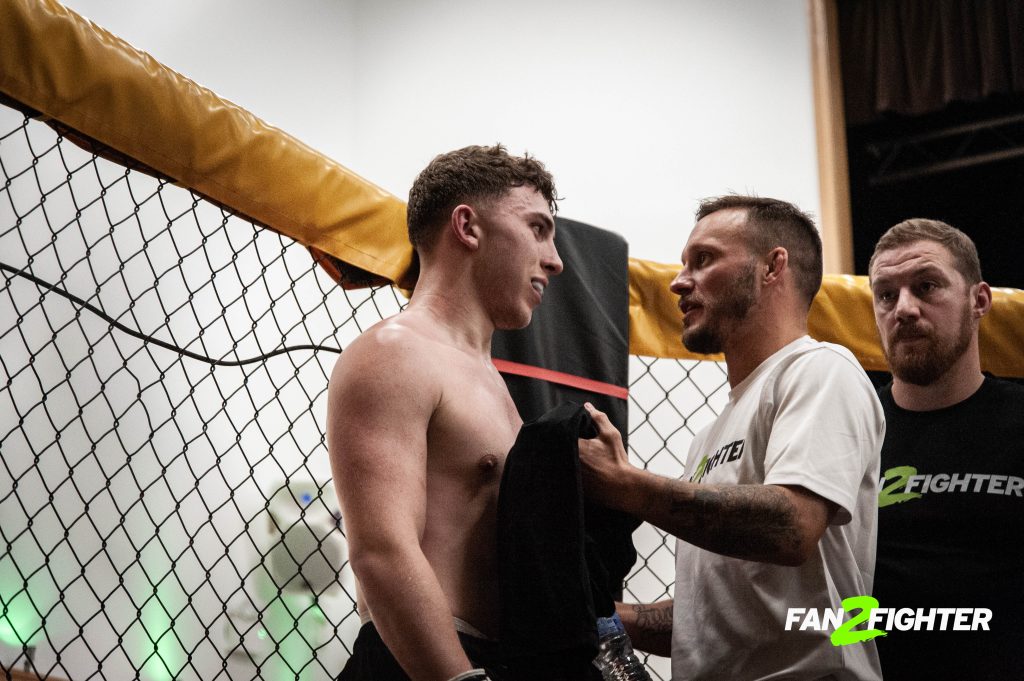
x=166, y=509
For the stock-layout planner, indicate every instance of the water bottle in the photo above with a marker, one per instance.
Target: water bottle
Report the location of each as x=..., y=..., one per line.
x=615, y=656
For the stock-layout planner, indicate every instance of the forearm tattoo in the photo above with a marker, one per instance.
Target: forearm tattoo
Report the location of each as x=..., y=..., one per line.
x=754, y=522
x=655, y=619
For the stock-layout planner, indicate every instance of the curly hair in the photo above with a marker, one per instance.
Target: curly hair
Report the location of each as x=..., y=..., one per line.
x=474, y=173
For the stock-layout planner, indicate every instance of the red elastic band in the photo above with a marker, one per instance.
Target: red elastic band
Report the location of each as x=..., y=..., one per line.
x=507, y=367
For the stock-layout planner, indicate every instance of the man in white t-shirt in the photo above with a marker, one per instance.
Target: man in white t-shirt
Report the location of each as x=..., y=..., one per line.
x=777, y=511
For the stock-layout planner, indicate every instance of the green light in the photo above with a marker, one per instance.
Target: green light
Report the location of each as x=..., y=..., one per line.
x=20, y=620
x=20, y=626
x=154, y=644
x=296, y=622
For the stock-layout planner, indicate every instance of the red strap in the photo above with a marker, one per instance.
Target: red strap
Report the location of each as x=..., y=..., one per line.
x=590, y=385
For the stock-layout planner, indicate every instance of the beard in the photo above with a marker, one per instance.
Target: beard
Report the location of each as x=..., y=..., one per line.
x=925, y=364
x=720, y=315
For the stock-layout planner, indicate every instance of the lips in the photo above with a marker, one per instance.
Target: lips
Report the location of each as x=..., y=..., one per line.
x=908, y=333
x=538, y=285
x=688, y=306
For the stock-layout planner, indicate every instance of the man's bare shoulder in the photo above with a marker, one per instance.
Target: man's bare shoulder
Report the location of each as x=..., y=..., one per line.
x=403, y=357
x=397, y=346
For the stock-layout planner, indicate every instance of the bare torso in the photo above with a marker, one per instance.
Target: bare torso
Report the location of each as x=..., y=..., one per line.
x=419, y=424
x=471, y=430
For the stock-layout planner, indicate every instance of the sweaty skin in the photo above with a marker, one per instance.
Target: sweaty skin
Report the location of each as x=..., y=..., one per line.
x=419, y=425
x=454, y=471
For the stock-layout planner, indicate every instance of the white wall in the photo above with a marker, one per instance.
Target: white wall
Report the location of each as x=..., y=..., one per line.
x=291, y=64
x=638, y=108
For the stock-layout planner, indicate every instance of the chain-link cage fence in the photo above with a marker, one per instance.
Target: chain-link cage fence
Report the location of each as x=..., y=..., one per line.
x=166, y=509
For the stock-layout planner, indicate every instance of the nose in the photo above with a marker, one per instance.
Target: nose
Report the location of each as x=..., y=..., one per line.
x=550, y=261
x=682, y=283
x=907, y=306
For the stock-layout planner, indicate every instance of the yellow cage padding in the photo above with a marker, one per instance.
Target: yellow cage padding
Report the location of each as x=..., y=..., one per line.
x=841, y=313
x=74, y=72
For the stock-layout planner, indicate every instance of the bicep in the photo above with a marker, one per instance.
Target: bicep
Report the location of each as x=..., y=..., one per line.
x=377, y=440
x=812, y=513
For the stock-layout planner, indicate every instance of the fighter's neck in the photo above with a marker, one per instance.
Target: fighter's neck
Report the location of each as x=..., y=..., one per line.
x=464, y=323
x=745, y=351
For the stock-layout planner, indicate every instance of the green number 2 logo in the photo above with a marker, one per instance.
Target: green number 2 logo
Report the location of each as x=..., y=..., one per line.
x=898, y=476
x=846, y=634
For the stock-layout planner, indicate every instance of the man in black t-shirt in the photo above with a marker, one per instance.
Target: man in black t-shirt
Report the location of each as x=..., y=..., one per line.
x=951, y=505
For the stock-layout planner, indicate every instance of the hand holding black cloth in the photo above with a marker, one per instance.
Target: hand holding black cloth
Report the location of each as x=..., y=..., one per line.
x=554, y=583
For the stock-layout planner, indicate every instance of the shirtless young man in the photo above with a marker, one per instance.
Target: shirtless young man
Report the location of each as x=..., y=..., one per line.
x=420, y=421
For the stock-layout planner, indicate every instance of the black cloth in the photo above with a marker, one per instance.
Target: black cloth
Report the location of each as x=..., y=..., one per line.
x=962, y=547
x=913, y=57
x=553, y=584
x=372, y=661
x=581, y=329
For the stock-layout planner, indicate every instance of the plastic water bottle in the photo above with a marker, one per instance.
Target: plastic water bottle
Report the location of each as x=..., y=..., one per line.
x=615, y=656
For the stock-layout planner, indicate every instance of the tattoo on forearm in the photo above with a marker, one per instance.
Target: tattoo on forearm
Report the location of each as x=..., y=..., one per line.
x=656, y=619
x=745, y=521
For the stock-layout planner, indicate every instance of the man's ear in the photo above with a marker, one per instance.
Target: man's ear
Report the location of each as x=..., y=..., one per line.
x=778, y=261
x=981, y=300
x=464, y=225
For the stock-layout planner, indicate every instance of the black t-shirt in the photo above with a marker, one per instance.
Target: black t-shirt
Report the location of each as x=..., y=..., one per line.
x=951, y=533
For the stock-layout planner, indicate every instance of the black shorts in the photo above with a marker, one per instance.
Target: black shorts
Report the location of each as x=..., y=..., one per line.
x=372, y=661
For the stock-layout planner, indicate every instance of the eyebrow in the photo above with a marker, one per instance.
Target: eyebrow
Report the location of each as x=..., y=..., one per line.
x=923, y=270
x=549, y=222
x=701, y=247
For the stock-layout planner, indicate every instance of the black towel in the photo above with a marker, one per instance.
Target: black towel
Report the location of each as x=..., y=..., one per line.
x=553, y=581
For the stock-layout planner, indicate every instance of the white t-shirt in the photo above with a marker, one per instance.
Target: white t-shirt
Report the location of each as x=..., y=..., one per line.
x=806, y=416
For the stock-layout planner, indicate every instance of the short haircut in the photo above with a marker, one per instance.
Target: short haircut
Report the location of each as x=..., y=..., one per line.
x=467, y=175
x=771, y=223
x=960, y=246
